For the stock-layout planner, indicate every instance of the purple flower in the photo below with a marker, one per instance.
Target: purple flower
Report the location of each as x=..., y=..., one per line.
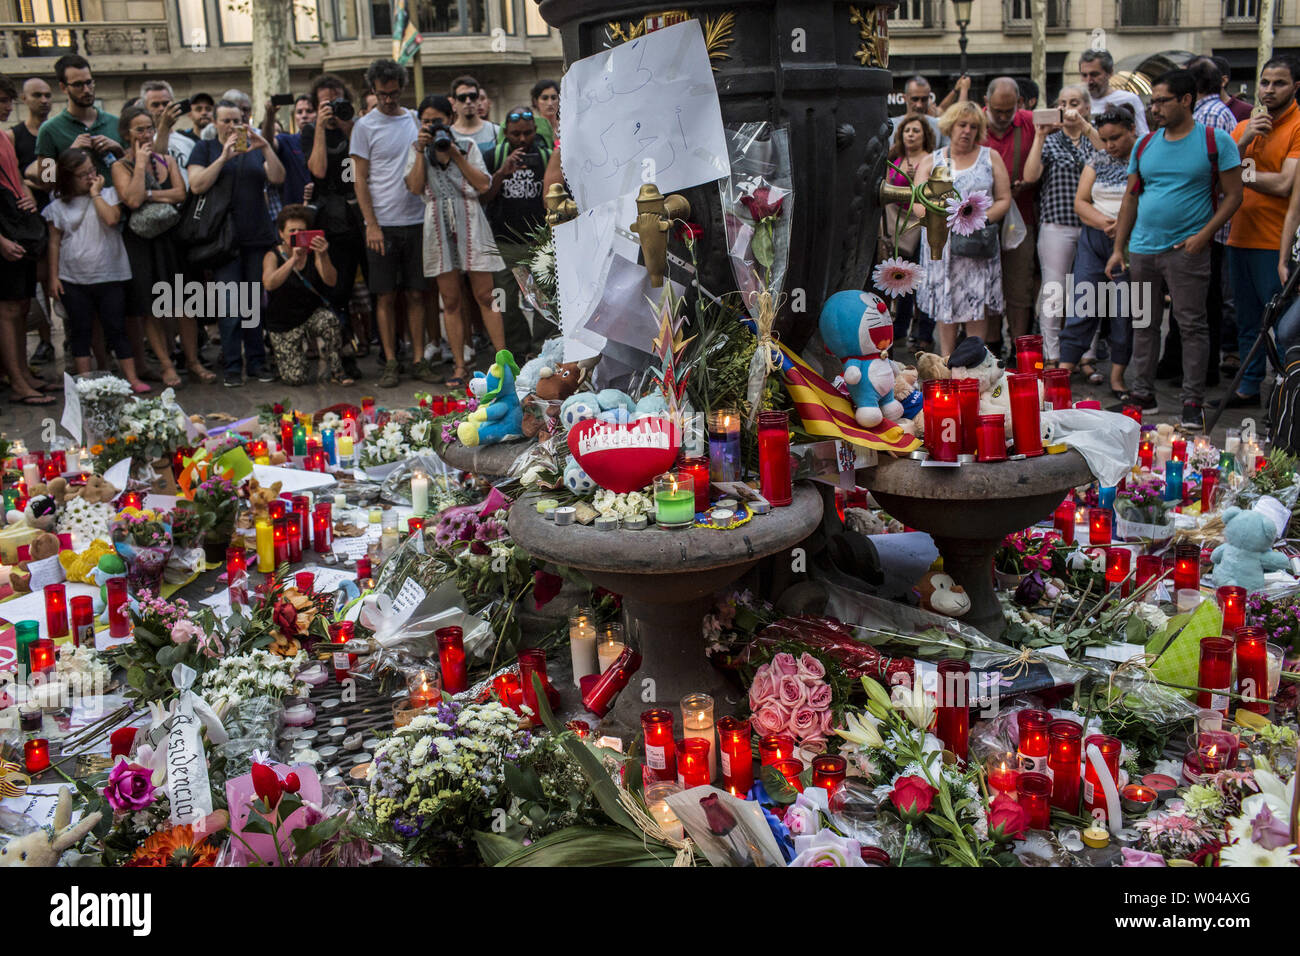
x=129, y=788
x=967, y=215
x=1268, y=831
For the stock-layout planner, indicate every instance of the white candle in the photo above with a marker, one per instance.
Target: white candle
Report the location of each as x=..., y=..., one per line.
x=667, y=820
x=697, y=721
x=582, y=647
x=607, y=652
x=31, y=475
x=1163, y=454
x=419, y=493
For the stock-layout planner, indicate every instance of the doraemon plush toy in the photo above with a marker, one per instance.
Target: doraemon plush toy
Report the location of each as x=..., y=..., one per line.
x=858, y=329
x=499, y=416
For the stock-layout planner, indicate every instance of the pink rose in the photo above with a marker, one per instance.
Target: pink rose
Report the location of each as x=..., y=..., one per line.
x=826, y=721
x=184, y=631
x=762, y=689
x=791, y=692
x=784, y=665
x=768, y=719
x=129, y=788
x=810, y=667
x=812, y=746
x=805, y=722
x=819, y=696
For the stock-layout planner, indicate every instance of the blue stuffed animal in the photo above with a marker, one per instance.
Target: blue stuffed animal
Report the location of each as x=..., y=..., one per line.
x=858, y=330
x=1248, y=550
x=499, y=416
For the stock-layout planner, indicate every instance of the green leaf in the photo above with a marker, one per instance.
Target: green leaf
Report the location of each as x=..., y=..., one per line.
x=257, y=824
x=494, y=847
x=592, y=846
x=523, y=783
x=135, y=676
x=778, y=788
x=306, y=839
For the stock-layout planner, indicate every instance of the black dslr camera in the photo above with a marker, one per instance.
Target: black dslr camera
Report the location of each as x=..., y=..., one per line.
x=343, y=109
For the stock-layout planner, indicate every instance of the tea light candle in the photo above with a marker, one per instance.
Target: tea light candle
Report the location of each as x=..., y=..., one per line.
x=36, y=755
x=1136, y=798
x=422, y=692
x=675, y=499
x=582, y=645
x=419, y=493
x=724, y=445
x=697, y=722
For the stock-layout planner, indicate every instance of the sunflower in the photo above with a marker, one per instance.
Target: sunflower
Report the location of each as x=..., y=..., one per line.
x=174, y=847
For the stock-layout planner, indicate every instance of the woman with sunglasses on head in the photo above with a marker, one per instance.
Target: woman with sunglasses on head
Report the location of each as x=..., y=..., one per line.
x=465, y=93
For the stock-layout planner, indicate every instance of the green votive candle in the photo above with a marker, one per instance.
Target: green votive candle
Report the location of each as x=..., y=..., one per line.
x=26, y=633
x=674, y=500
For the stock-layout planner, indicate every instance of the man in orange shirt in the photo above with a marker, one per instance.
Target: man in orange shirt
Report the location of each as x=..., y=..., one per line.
x=1270, y=148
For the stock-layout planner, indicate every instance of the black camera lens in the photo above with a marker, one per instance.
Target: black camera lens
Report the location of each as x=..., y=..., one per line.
x=343, y=109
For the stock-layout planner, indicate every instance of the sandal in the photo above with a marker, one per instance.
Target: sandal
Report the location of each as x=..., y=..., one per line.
x=202, y=374
x=35, y=400
x=457, y=380
x=1088, y=369
x=171, y=378
x=344, y=382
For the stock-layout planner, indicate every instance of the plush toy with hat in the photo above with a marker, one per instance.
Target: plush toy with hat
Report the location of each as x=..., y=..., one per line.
x=858, y=330
x=1247, y=552
x=972, y=359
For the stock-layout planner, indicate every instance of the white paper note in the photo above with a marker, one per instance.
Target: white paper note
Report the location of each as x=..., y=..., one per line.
x=119, y=474
x=46, y=571
x=645, y=111
x=409, y=596
x=71, y=407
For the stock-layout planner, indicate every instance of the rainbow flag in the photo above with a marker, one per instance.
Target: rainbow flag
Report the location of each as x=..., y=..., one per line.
x=828, y=414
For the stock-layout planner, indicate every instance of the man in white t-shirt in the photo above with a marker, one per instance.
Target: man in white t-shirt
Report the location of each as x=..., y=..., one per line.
x=394, y=216
x=1095, y=69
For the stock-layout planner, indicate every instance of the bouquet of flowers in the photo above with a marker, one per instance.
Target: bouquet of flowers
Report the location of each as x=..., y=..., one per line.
x=164, y=637
x=1143, y=502
x=157, y=424
x=1280, y=618
x=216, y=502
x=254, y=673
x=101, y=403
x=1026, y=551
x=143, y=529
x=407, y=432
x=790, y=696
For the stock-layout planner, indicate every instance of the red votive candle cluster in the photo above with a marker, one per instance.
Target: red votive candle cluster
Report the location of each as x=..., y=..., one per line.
x=698, y=468
x=1094, y=794
x=1031, y=748
x=952, y=716
x=1063, y=519
x=56, y=610
x=773, y=459
x=1232, y=602
x=1025, y=424
x=991, y=438
x=237, y=576
x=1214, y=674
x=737, y=755
x=660, y=751
x=1252, y=669
x=1063, y=738
x=451, y=658
x=1099, y=526
x=968, y=408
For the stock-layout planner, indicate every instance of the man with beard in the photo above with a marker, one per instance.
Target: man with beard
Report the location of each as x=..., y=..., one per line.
x=80, y=125
x=1095, y=69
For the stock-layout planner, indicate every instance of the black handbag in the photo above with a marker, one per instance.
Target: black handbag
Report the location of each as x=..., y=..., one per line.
x=207, y=228
x=27, y=229
x=980, y=244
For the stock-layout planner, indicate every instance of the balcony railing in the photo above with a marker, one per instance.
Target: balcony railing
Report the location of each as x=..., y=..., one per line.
x=133, y=38
x=1244, y=14
x=914, y=16
x=1158, y=14
x=1018, y=16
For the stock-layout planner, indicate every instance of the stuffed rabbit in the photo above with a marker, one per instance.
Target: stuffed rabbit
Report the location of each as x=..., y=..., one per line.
x=39, y=848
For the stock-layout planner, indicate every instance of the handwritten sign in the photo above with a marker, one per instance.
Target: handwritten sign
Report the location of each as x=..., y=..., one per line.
x=409, y=596
x=645, y=111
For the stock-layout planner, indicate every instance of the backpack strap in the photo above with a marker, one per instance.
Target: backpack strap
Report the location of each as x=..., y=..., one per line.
x=1137, y=163
x=1212, y=147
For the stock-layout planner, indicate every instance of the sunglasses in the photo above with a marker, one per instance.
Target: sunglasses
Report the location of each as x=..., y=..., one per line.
x=467, y=97
x=519, y=115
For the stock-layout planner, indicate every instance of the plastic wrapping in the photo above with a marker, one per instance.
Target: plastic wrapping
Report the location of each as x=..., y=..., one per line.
x=732, y=832
x=396, y=486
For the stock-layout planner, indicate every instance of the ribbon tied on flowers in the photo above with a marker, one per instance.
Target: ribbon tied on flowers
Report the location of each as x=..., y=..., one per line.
x=188, y=787
x=13, y=782
x=764, y=304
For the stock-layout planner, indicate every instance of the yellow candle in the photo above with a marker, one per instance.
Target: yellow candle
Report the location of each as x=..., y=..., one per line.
x=265, y=546
x=345, y=446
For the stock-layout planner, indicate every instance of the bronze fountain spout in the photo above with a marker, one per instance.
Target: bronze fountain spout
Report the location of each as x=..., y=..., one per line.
x=932, y=194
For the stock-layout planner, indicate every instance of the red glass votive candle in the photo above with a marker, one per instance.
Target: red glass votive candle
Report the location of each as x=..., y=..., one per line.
x=952, y=716
x=1118, y=561
x=1214, y=675
x=317, y=460
x=305, y=581
x=1056, y=388
x=1063, y=519
x=1029, y=354
x=1026, y=430
x=1064, y=738
x=1252, y=669
x=40, y=656
x=36, y=755
x=294, y=527
x=257, y=449
x=736, y=751
x=363, y=572
x=599, y=697
x=1031, y=749
x=56, y=610
x=451, y=658
x=276, y=508
x=280, y=541
x=1003, y=775
x=1099, y=526
x=1187, y=567
x=286, y=435
x=773, y=458
x=133, y=499
x=1149, y=566
x=83, y=620
x=301, y=506
x=1034, y=793
x=929, y=389
x=698, y=468
x=119, y=625
x=991, y=438
x=531, y=661
x=828, y=772
x=237, y=576
x=790, y=768
x=1132, y=411
x=1232, y=602
x=1216, y=750
x=968, y=407
x=1146, y=453
x=414, y=525
x=693, y=762
x=340, y=633
x=774, y=747
x=322, y=532
x=943, y=423
x=1178, y=450
x=660, y=751
x=1209, y=483
x=508, y=690
x=1094, y=794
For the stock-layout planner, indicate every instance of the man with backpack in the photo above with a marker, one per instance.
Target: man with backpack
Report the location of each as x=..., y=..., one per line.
x=1166, y=223
x=517, y=162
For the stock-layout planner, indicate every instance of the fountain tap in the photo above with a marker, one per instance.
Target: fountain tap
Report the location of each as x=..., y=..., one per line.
x=655, y=214
x=559, y=206
x=934, y=193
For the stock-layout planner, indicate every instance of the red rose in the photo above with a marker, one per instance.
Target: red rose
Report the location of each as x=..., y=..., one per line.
x=267, y=785
x=913, y=797
x=689, y=232
x=277, y=408
x=1008, y=820
x=545, y=586
x=761, y=205
x=120, y=741
x=285, y=617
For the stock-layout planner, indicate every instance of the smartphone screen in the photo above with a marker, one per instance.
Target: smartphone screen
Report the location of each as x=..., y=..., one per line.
x=241, y=139
x=1048, y=117
x=282, y=99
x=185, y=107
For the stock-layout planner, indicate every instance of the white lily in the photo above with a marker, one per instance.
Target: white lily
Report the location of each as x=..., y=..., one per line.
x=860, y=730
x=914, y=704
x=1277, y=795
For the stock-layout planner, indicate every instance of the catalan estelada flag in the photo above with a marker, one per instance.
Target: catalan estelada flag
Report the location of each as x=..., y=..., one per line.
x=827, y=413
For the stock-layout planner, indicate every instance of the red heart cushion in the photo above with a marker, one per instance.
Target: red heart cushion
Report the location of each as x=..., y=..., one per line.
x=627, y=457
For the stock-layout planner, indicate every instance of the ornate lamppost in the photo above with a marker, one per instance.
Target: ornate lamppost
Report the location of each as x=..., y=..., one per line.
x=962, y=10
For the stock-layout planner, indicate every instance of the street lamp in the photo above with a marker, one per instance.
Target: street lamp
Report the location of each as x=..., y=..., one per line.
x=962, y=10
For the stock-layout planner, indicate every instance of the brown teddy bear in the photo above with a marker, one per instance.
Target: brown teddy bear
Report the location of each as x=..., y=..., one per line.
x=44, y=545
x=554, y=385
x=259, y=497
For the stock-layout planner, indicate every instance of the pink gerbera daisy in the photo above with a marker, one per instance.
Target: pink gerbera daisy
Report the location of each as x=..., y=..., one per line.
x=967, y=214
x=896, y=276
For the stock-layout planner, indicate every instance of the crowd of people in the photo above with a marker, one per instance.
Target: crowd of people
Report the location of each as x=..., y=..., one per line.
x=1104, y=213
x=366, y=224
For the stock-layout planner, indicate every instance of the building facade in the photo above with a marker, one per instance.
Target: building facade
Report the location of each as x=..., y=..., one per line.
x=205, y=45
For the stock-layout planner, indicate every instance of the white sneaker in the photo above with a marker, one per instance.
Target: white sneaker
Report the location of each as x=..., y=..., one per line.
x=446, y=352
x=429, y=351
x=469, y=354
